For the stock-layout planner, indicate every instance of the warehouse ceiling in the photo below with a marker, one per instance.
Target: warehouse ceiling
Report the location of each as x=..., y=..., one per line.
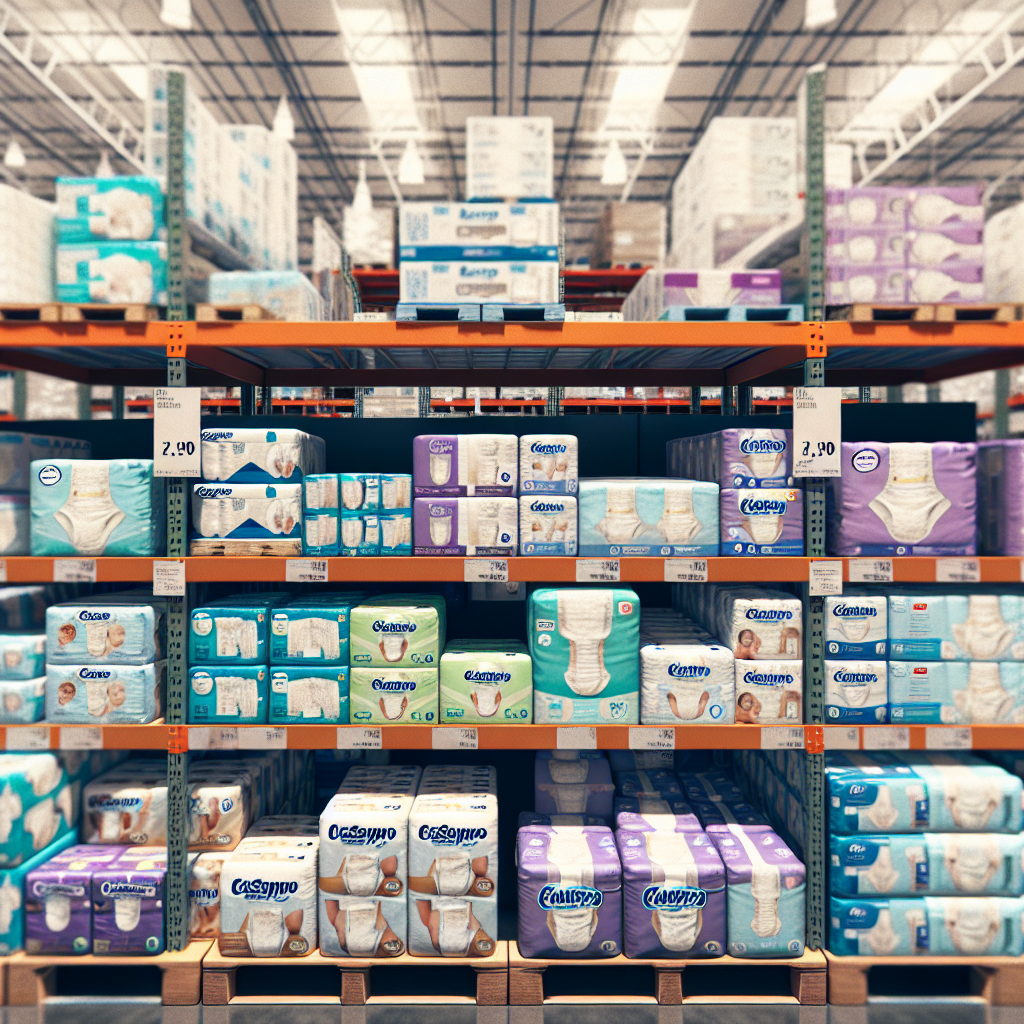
x=924, y=90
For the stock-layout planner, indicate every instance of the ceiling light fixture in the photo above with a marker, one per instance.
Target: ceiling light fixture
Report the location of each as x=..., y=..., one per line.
x=177, y=14
x=14, y=157
x=410, y=167
x=818, y=13
x=614, y=170
x=284, y=123
x=103, y=168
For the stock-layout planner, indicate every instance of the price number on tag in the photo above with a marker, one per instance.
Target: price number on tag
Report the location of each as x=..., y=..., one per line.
x=886, y=737
x=485, y=570
x=957, y=570
x=686, y=570
x=81, y=739
x=825, y=578
x=74, y=570
x=817, y=431
x=840, y=738
x=27, y=737
x=576, y=737
x=871, y=570
x=355, y=738
x=305, y=570
x=262, y=739
x=453, y=739
x=173, y=448
x=782, y=737
x=176, y=449
x=652, y=739
x=597, y=570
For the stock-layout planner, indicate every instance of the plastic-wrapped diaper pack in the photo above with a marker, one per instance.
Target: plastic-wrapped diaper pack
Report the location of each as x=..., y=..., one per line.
x=660, y=781
x=97, y=507
x=769, y=692
x=741, y=457
x=252, y=455
x=465, y=526
x=247, y=511
x=36, y=805
x=451, y=465
x=204, y=895
x=652, y=814
x=401, y=631
x=105, y=630
x=15, y=525
x=117, y=273
x=22, y=700
x=127, y=207
x=19, y=450
x=573, y=785
x=856, y=625
x=760, y=625
x=395, y=532
x=956, y=693
x=310, y=633
x=231, y=694
x=383, y=695
x=105, y=694
x=1001, y=497
x=905, y=498
x=627, y=516
x=673, y=893
x=856, y=691
x=687, y=682
x=570, y=892
x=973, y=864
x=128, y=899
x=585, y=649
x=484, y=681
x=547, y=525
x=931, y=925
x=236, y=632
x=548, y=464
x=309, y=695
x=762, y=522
x=956, y=627
x=453, y=863
x=22, y=654
x=127, y=805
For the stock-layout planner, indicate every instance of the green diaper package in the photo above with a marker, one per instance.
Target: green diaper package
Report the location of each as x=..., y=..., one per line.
x=486, y=681
x=398, y=631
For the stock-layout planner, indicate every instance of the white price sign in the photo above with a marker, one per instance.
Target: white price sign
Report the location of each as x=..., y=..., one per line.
x=782, y=737
x=260, y=738
x=597, y=570
x=817, y=431
x=449, y=738
x=168, y=578
x=3, y=570
x=27, y=737
x=957, y=570
x=176, y=431
x=485, y=570
x=947, y=739
x=213, y=738
x=355, y=738
x=886, y=737
x=305, y=570
x=686, y=570
x=576, y=737
x=81, y=738
x=871, y=570
x=825, y=578
x=74, y=570
x=837, y=737
x=652, y=739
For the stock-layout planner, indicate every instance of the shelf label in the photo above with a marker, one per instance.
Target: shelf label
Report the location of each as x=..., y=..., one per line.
x=260, y=738
x=838, y=737
x=886, y=737
x=74, y=570
x=3, y=570
x=782, y=737
x=168, y=578
x=941, y=738
x=485, y=570
x=176, y=445
x=597, y=570
x=825, y=578
x=356, y=738
x=957, y=570
x=652, y=739
x=576, y=737
x=88, y=738
x=305, y=570
x=27, y=737
x=686, y=570
x=817, y=431
x=871, y=570
x=213, y=738
x=453, y=738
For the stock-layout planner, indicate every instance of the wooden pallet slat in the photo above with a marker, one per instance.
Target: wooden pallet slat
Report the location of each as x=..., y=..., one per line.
x=29, y=312
x=249, y=312
x=882, y=312
x=101, y=312
x=998, y=312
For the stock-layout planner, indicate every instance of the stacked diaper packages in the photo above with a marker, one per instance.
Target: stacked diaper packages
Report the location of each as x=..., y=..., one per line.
x=585, y=648
x=548, y=464
x=357, y=514
x=483, y=681
x=22, y=677
x=245, y=519
x=857, y=625
x=37, y=805
x=465, y=465
x=566, y=783
x=253, y=455
x=906, y=498
x=96, y=507
x=124, y=208
x=547, y=524
x=468, y=527
x=775, y=783
x=1001, y=498
x=128, y=900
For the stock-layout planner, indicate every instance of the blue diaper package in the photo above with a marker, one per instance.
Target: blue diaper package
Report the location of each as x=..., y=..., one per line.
x=230, y=694
x=320, y=533
x=310, y=695
x=933, y=864
x=97, y=507
x=123, y=208
x=956, y=627
x=22, y=701
x=37, y=805
x=320, y=492
x=254, y=455
x=247, y=511
x=359, y=492
x=305, y=633
x=236, y=633
x=97, y=632
x=395, y=533
x=117, y=273
x=105, y=694
x=22, y=655
x=18, y=451
x=956, y=692
x=359, y=534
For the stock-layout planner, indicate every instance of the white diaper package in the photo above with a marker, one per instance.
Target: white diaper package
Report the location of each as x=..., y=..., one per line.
x=401, y=631
x=689, y=683
x=364, y=843
x=468, y=527
x=204, y=896
x=247, y=511
x=573, y=785
x=252, y=455
x=22, y=700
x=313, y=695
x=228, y=694
x=547, y=525
x=127, y=806
x=485, y=681
x=856, y=691
x=97, y=507
x=389, y=696
x=15, y=525
x=548, y=464
x=956, y=693
x=759, y=625
x=268, y=898
x=37, y=805
x=22, y=654
x=453, y=863
x=18, y=451
x=956, y=627
x=105, y=694
x=453, y=465
x=105, y=631
x=769, y=692
x=857, y=625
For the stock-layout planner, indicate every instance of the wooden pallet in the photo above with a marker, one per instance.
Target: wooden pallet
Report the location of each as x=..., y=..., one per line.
x=30, y=979
x=999, y=312
x=223, y=976
x=999, y=980
x=210, y=312
x=38, y=312
x=430, y=312
x=863, y=312
x=804, y=976
x=101, y=312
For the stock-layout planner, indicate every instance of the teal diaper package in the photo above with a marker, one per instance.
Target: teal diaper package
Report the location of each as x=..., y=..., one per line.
x=229, y=694
x=306, y=633
x=113, y=272
x=22, y=655
x=22, y=701
x=235, y=633
x=309, y=695
x=956, y=692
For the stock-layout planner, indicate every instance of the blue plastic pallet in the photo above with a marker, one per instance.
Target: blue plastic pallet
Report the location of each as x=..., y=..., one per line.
x=432, y=312
x=499, y=313
x=734, y=314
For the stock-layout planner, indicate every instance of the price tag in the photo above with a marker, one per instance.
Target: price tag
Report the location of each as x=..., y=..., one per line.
x=213, y=738
x=453, y=739
x=836, y=737
x=81, y=738
x=825, y=578
x=652, y=739
x=485, y=570
x=74, y=570
x=947, y=739
x=260, y=738
x=305, y=570
x=355, y=738
x=3, y=570
x=597, y=570
x=168, y=578
x=28, y=737
x=817, y=431
x=576, y=737
x=176, y=431
x=686, y=570
x=886, y=737
x=782, y=737
x=871, y=570
x=957, y=570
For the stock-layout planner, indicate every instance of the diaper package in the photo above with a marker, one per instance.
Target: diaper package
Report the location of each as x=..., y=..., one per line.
x=22, y=654
x=19, y=450
x=548, y=464
x=547, y=525
x=101, y=632
x=395, y=492
x=359, y=534
x=453, y=863
x=126, y=207
x=656, y=815
x=769, y=692
x=743, y=457
x=204, y=895
x=483, y=681
x=762, y=522
x=632, y=516
x=113, y=272
x=687, y=683
x=37, y=806
x=987, y=864
x=957, y=626
x=930, y=925
x=570, y=892
x=573, y=786
x=466, y=526
x=364, y=842
x=395, y=532
x=856, y=691
x=320, y=493
x=660, y=781
x=252, y=455
x=451, y=465
x=320, y=534
x=247, y=511
x=906, y=498
x=128, y=899
x=268, y=898
x=383, y=695
x=585, y=648
x=673, y=894
x=22, y=700
x=127, y=805
x=309, y=695
x=400, y=631
x=15, y=525
x=229, y=694
x=632, y=760
x=856, y=625
x=98, y=507
x=105, y=694
x=1001, y=497
x=956, y=693
x=760, y=625
x=235, y=633
x=359, y=492
x=310, y=633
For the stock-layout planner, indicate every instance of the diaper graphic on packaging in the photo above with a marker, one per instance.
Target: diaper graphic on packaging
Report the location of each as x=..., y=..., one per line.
x=22, y=655
x=687, y=683
x=247, y=510
x=113, y=272
x=547, y=525
x=956, y=627
x=309, y=634
x=204, y=896
x=320, y=534
x=105, y=694
x=485, y=681
x=37, y=805
x=397, y=631
x=978, y=692
x=769, y=692
x=251, y=455
x=396, y=532
x=310, y=695
x=548, y=464
x=101, y=633
x=128, y=207
x=762, y=522
x=127, y=805
x=573, y=786
x=231, y=694
x=466, y=526
x=359, y=492
x=229, y=634
x=359, y=534
x=856, y=626
x=22, y=700
x=451, y=465
x=384, y=695
x=856, y=691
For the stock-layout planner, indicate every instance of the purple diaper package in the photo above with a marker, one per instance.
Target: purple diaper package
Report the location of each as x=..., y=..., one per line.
x=676, y=818
x=954, y=281
x=467, y=527
x=906, y=498
x=570, y=892
x=868, y=282
x=128, y=900
x=574, y=786
x=761, y=522
x=58, y=900
x=1001, y=498
x=722, y=287
x=454, y=465
x=673, y=894
x=737, y=457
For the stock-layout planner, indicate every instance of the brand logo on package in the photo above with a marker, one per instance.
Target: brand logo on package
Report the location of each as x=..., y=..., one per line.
x=441, y=446
x=559, y=897
x=450, y=835
x=853, y=611
x=215, y=492
x=360, y=835
x=479, y=676
x=393, y=685
x=767, y=678
x=478, y=213
x=854, y=677
x=865, y=461
x=762, y=507
x=57, y=889
x=540, y=448
x=128, y=889
x=678, y=897
x=49, y=475
x=216, y=435
x=95, y=673
x=105, y=802
x=441, y=511
x=678, y=671
x=476, y=270
x=768, y=614
x=257, y=889
x=761, y=446
x=380, y=626
x=547, y=506
x=204, y=897
x=88, y=616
